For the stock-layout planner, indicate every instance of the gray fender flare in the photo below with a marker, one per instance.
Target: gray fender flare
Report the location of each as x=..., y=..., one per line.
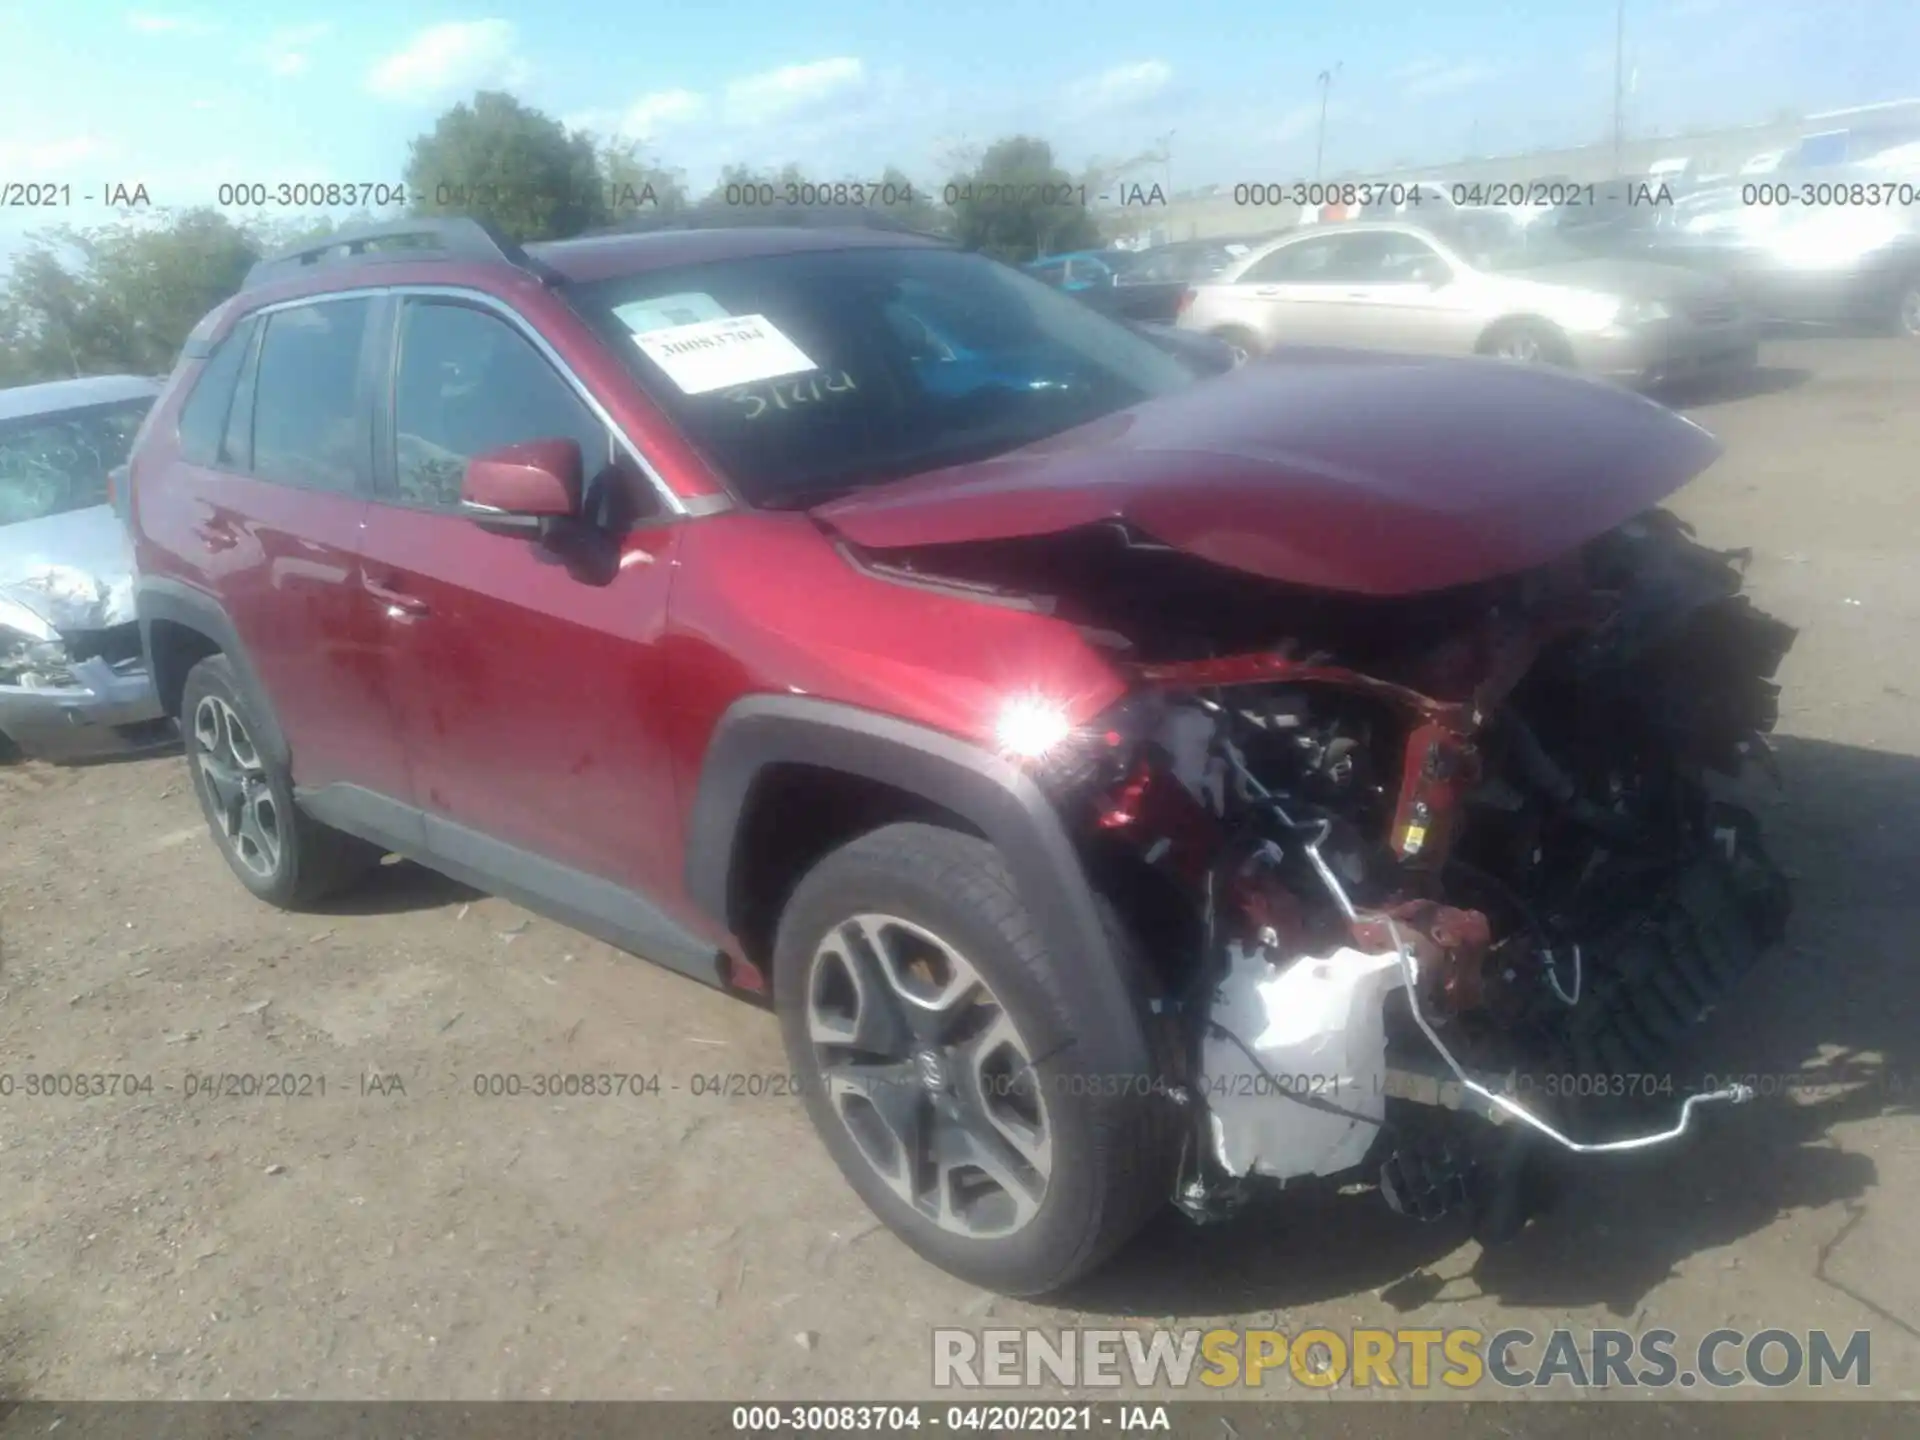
x=1002, y=801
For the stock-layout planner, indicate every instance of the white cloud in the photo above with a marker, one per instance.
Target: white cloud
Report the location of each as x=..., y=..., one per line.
x=645, y=118
x=1121, y=86
x=661, y=110
x=1426, y=79
x=444, y=59
x=779, y=94
x=285, y=53
x=169, y=25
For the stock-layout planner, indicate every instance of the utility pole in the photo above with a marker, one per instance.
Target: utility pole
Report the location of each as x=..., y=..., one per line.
x=1619, y=82
x=1320, y=144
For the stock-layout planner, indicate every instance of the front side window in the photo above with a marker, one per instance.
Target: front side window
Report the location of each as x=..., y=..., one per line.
x=808, y=374
x=468, y=382
x=50, y=464
x=308, y=412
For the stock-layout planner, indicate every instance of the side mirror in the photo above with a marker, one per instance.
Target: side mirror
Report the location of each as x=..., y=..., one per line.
x=524, y=489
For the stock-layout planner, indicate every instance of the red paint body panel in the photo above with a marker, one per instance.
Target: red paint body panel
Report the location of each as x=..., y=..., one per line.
x=765, y=604
x=285, y=566
x=1371, y=474
x=529, y=697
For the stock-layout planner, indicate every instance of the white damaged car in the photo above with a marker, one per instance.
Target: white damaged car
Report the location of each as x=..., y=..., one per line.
x=73, y=681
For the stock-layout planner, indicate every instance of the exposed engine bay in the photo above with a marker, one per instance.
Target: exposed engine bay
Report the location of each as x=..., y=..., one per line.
x=1407, y=864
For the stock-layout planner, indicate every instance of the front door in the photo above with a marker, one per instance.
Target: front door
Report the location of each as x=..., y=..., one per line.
x=526, y=672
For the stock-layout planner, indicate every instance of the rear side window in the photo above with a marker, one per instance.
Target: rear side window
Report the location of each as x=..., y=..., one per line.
x=308, y=421
x=203, y=419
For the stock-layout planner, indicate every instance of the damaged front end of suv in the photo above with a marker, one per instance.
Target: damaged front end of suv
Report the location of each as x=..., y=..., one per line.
x=1435, y=882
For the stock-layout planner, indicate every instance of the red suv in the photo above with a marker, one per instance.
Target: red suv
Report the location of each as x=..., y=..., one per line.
x=1130, y=786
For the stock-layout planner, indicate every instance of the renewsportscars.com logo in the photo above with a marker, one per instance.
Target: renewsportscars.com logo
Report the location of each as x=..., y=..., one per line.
x=1417, y=1359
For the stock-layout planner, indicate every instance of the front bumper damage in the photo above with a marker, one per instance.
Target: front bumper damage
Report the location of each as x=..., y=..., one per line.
x=1451, y=880
x=74, y=684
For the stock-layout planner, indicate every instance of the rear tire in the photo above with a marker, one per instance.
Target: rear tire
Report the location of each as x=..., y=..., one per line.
x=952, y=1095
x=279, y=852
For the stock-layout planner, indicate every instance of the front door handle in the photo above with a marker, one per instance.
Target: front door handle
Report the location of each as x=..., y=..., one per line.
x=399, y=605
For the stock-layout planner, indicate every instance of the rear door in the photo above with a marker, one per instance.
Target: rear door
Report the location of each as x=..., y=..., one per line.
x=526, y=672
x=275, y=491
x=1298, y=294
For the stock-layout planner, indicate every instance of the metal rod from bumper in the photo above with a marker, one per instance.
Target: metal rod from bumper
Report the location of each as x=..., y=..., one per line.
x=1410, y=972
x=1409, y=968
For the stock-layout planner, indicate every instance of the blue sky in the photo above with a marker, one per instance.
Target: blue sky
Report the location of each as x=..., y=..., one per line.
x=185, y=96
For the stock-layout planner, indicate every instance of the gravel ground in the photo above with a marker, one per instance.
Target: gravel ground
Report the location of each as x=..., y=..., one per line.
x=401, y=1236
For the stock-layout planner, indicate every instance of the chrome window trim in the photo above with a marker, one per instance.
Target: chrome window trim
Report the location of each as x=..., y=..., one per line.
x=687, y=508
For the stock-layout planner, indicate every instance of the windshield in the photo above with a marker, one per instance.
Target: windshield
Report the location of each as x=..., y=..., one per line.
x=805, y=375
x=50, y=464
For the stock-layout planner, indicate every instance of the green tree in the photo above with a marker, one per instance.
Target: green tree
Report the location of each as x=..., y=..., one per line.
x=744, y=195
x=118, y=298
x=514, y=167
x=636, y=186
x=1017, y=203
x=911, y=204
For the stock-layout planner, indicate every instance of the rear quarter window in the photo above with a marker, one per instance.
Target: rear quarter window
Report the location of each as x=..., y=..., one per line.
x=203, y=419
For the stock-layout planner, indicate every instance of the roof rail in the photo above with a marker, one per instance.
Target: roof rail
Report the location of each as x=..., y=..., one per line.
x=448, y=237
x=743, y=217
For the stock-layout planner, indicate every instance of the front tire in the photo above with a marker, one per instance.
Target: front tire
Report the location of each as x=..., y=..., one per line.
x=937, y=1046
x=279, y=852
x=1527, y=342
x=1242, y=341
x=1903, y=317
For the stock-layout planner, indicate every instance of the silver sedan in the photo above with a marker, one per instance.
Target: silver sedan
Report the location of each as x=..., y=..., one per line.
x=1482, y=285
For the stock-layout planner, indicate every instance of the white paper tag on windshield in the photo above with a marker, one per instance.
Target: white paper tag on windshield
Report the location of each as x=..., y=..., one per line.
x=662, y=312
x=714, y=354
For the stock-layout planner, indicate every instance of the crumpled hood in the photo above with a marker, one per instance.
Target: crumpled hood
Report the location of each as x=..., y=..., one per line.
x=1365, y=473
x=74, y=571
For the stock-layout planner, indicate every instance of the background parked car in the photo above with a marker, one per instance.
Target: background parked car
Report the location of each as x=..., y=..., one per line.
x=73, y=684
x=1482, y=286
x=1147, y=284
x=1080, y=269
x=1822, y=263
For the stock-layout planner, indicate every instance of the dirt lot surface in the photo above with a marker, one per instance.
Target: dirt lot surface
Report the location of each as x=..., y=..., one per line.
x=401, y=1236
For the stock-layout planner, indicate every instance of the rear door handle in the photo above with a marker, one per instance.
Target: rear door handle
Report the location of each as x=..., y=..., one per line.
x=399, y=605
